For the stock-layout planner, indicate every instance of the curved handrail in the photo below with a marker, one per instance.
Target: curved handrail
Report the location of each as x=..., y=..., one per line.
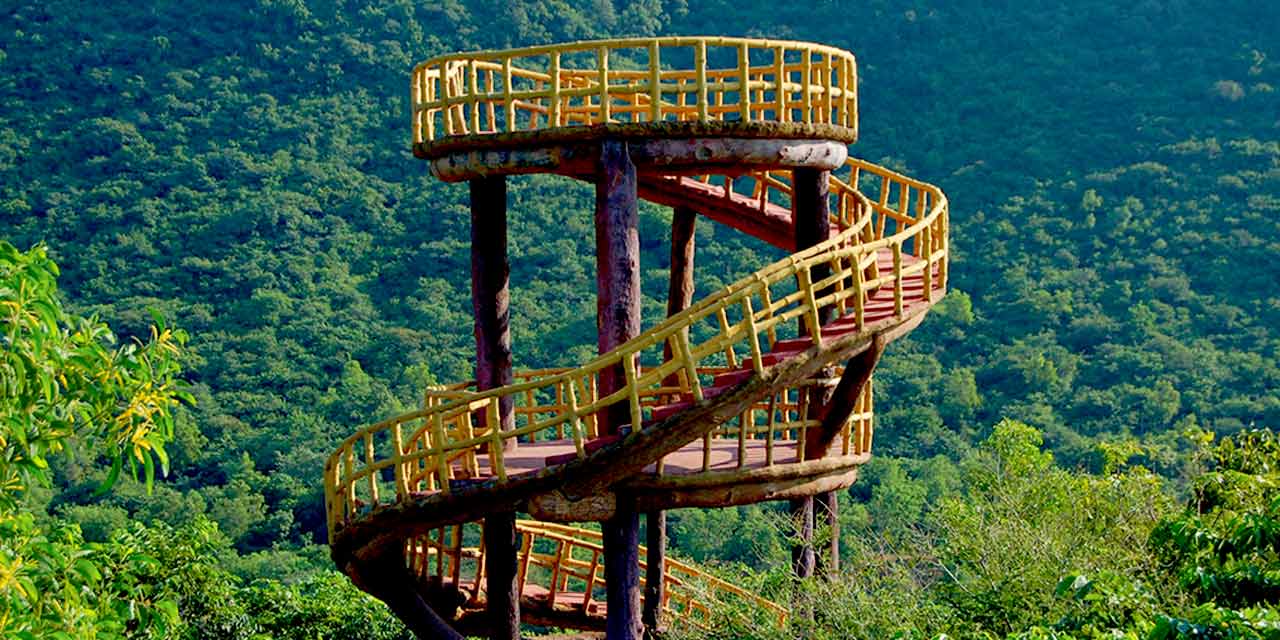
x=759, y=425
x=623, y=81
x=570, y=561
x=744, y=315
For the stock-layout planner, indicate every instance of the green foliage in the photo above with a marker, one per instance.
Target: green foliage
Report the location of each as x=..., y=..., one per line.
x=54, y=584
x=62, y=378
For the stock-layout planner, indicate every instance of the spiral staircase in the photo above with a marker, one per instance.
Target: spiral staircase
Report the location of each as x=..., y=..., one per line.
x=715, y=397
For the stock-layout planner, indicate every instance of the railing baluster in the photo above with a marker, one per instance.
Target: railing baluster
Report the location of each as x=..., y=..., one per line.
x=497, y=465
x=805, y=86
x=767, y=299
x=553, y=113
x=730, y=356
x=576, y=425
x=684, y=352
x=442, y=464
x=591, y=580
x=926, y=249
x=475, y=96
x=897, y=280
x=508, y=103
x=859, y=295
x=561, y=547
x=779, y=82
x=605, y=102
x=757, y=355
x=349, y=465
x=655, y=83
x=706, y=451
x=811, y=305
x=700, y=69
x=629, y=369
x=402, y=479
x=455, y=553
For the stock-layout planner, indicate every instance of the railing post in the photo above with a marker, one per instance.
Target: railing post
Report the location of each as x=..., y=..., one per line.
x=757, y=354
x=553, y=109
x=897, y=279
x=806, y=85
x=576, y=425
x=700, y=68
x=473, y=81
x=402, y=479
x=779, y=83
x=508, y=102
x=655, y=83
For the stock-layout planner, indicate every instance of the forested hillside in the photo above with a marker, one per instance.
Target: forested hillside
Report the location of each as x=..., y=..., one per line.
x=242, y=169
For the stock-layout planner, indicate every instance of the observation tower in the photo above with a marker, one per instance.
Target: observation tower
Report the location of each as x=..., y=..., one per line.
x=759, y=391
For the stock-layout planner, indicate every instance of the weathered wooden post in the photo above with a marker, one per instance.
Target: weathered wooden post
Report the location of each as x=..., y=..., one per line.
x=679, y=297
x=811, y=215
x=618, y=320
x=490, y=300
x=840, y=405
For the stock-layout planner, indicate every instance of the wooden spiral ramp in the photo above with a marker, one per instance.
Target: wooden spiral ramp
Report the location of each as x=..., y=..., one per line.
x=760, y=391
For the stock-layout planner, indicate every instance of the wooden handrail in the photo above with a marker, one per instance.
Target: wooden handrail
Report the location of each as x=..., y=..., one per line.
x=587, y=83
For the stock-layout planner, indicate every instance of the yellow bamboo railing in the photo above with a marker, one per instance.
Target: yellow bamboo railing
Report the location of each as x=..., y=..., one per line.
x=564, y=560
x=778, y=419
x=629, y=81
x=418, y=450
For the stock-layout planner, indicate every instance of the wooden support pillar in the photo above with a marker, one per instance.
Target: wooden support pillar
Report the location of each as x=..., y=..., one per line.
x=679, y=297
x=826, y=509
x=622, y=574
x=617, y=268
x=387, y=578
x=680, y=289
x=843, y=401
x=810, y=210
x=655, y=576
x=802, y=557
x=490, y=300
x=502, y=589
x=618, y=320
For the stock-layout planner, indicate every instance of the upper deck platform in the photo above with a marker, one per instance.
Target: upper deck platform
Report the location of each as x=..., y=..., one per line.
x=676, y=87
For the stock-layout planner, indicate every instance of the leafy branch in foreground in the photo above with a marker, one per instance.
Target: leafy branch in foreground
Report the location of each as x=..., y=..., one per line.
x=62, y=376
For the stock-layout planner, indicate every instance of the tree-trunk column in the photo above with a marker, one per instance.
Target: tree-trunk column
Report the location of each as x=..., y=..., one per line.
x=617, y=268
x=679, y=297
x=811, y=215
x=490, y=300
x=618, y=320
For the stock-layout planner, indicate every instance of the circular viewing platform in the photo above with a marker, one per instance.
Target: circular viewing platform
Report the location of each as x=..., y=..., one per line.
x=645, y=88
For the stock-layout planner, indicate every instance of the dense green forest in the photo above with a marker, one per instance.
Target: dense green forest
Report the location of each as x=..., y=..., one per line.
x=241, y=170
